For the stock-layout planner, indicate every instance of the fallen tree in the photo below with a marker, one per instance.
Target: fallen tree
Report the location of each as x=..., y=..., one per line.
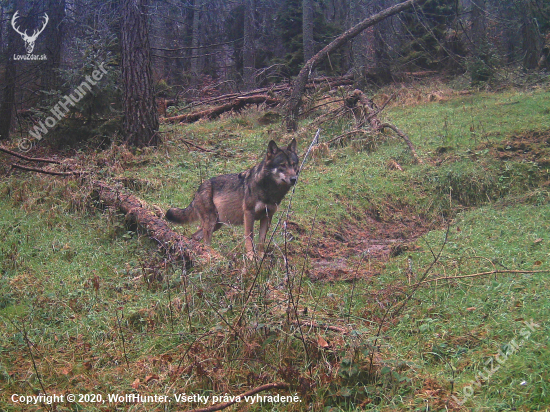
x=175, y=245
x=299, y=85
x=236, y=105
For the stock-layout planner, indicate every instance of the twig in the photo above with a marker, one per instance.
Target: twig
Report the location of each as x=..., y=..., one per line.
x=304, y=114
x=324, y=327
x=408, y=298
x=122, y=338
x=23, y=331
x=382, y=107
x=350, y=133
x=47, y=172
x=220, y=406
x=31, y=159
x=187, y=142
x=492, y=272
x=403, y=136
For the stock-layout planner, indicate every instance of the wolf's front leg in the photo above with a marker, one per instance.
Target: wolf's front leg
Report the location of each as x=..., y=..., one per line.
x=265, y=222
x=249, y=233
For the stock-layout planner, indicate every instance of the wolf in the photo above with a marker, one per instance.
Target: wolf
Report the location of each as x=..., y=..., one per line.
x=242, y=198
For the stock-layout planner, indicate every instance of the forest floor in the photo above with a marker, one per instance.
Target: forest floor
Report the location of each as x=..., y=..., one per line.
x=421, y=287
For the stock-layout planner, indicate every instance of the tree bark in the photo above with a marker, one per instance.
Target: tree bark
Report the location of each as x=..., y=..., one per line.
x=530, y=38
x=195, y=42
x=8, y=93
x=382, y=68
x=307, y=29
x=479, y=27
x=140, y=124
x=54, y=34
x=300, y=82
x=248, y=44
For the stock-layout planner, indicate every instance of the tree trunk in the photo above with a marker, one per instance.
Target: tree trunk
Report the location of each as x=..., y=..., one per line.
x=140, y=124
x=530, y=39
x=195, y=43
x=359, y=43
x=300, y=82
x=479, y=27
x=8, y=93
x=53, y=35
x=382, y=68
x=307, y=29
x=248, y=44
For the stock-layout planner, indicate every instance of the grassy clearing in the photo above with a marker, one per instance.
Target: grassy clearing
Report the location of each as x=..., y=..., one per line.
x=101, y=311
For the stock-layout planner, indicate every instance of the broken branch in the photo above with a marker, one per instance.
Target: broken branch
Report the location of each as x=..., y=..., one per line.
x=492, y=272
x=47, y=172
x=236, y=105
x=31, y=159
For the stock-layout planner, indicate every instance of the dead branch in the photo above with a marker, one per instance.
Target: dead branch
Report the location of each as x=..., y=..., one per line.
x=30, y=159
x=385, y=104
x=365, y=110
x=323, y=327
x=174, y=244
x=299, y=85
x=318, y=106
x=47, y=172
x=347, y=134
x=236, y=105
x=188, y=143
x=331, y=82
x=403, y=136
x=492, y=272
x=220, y=406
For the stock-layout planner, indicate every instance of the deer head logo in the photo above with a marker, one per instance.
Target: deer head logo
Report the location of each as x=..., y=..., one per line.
x=29, y=40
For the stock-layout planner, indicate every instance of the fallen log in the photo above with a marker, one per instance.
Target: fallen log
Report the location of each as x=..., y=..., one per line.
x=236, y=105
x=174, y=245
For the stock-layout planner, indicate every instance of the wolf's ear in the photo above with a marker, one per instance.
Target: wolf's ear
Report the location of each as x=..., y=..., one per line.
x=292, y=146
x=271, y=148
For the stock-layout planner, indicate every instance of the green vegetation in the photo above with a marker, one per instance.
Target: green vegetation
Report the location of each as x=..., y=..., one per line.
x=102, y=311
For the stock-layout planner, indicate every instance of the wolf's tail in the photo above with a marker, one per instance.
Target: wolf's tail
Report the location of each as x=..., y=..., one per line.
x=177, y=215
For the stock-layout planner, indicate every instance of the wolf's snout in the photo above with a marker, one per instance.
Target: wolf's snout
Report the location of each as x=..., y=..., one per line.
x=293, y=180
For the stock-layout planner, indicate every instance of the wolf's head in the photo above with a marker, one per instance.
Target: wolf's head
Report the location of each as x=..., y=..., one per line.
x=282, y=164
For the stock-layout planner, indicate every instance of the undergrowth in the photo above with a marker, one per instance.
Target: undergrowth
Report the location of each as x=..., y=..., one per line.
x=432, y=271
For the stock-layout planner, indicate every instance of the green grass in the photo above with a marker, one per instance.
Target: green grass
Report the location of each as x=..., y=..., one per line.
x=101, y=310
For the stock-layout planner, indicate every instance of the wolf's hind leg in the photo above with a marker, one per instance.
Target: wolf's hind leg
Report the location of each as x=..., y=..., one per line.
x=198, y=235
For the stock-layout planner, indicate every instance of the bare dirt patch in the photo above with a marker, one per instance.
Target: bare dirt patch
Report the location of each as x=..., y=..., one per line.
x=533, y=146
x=335, y=253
